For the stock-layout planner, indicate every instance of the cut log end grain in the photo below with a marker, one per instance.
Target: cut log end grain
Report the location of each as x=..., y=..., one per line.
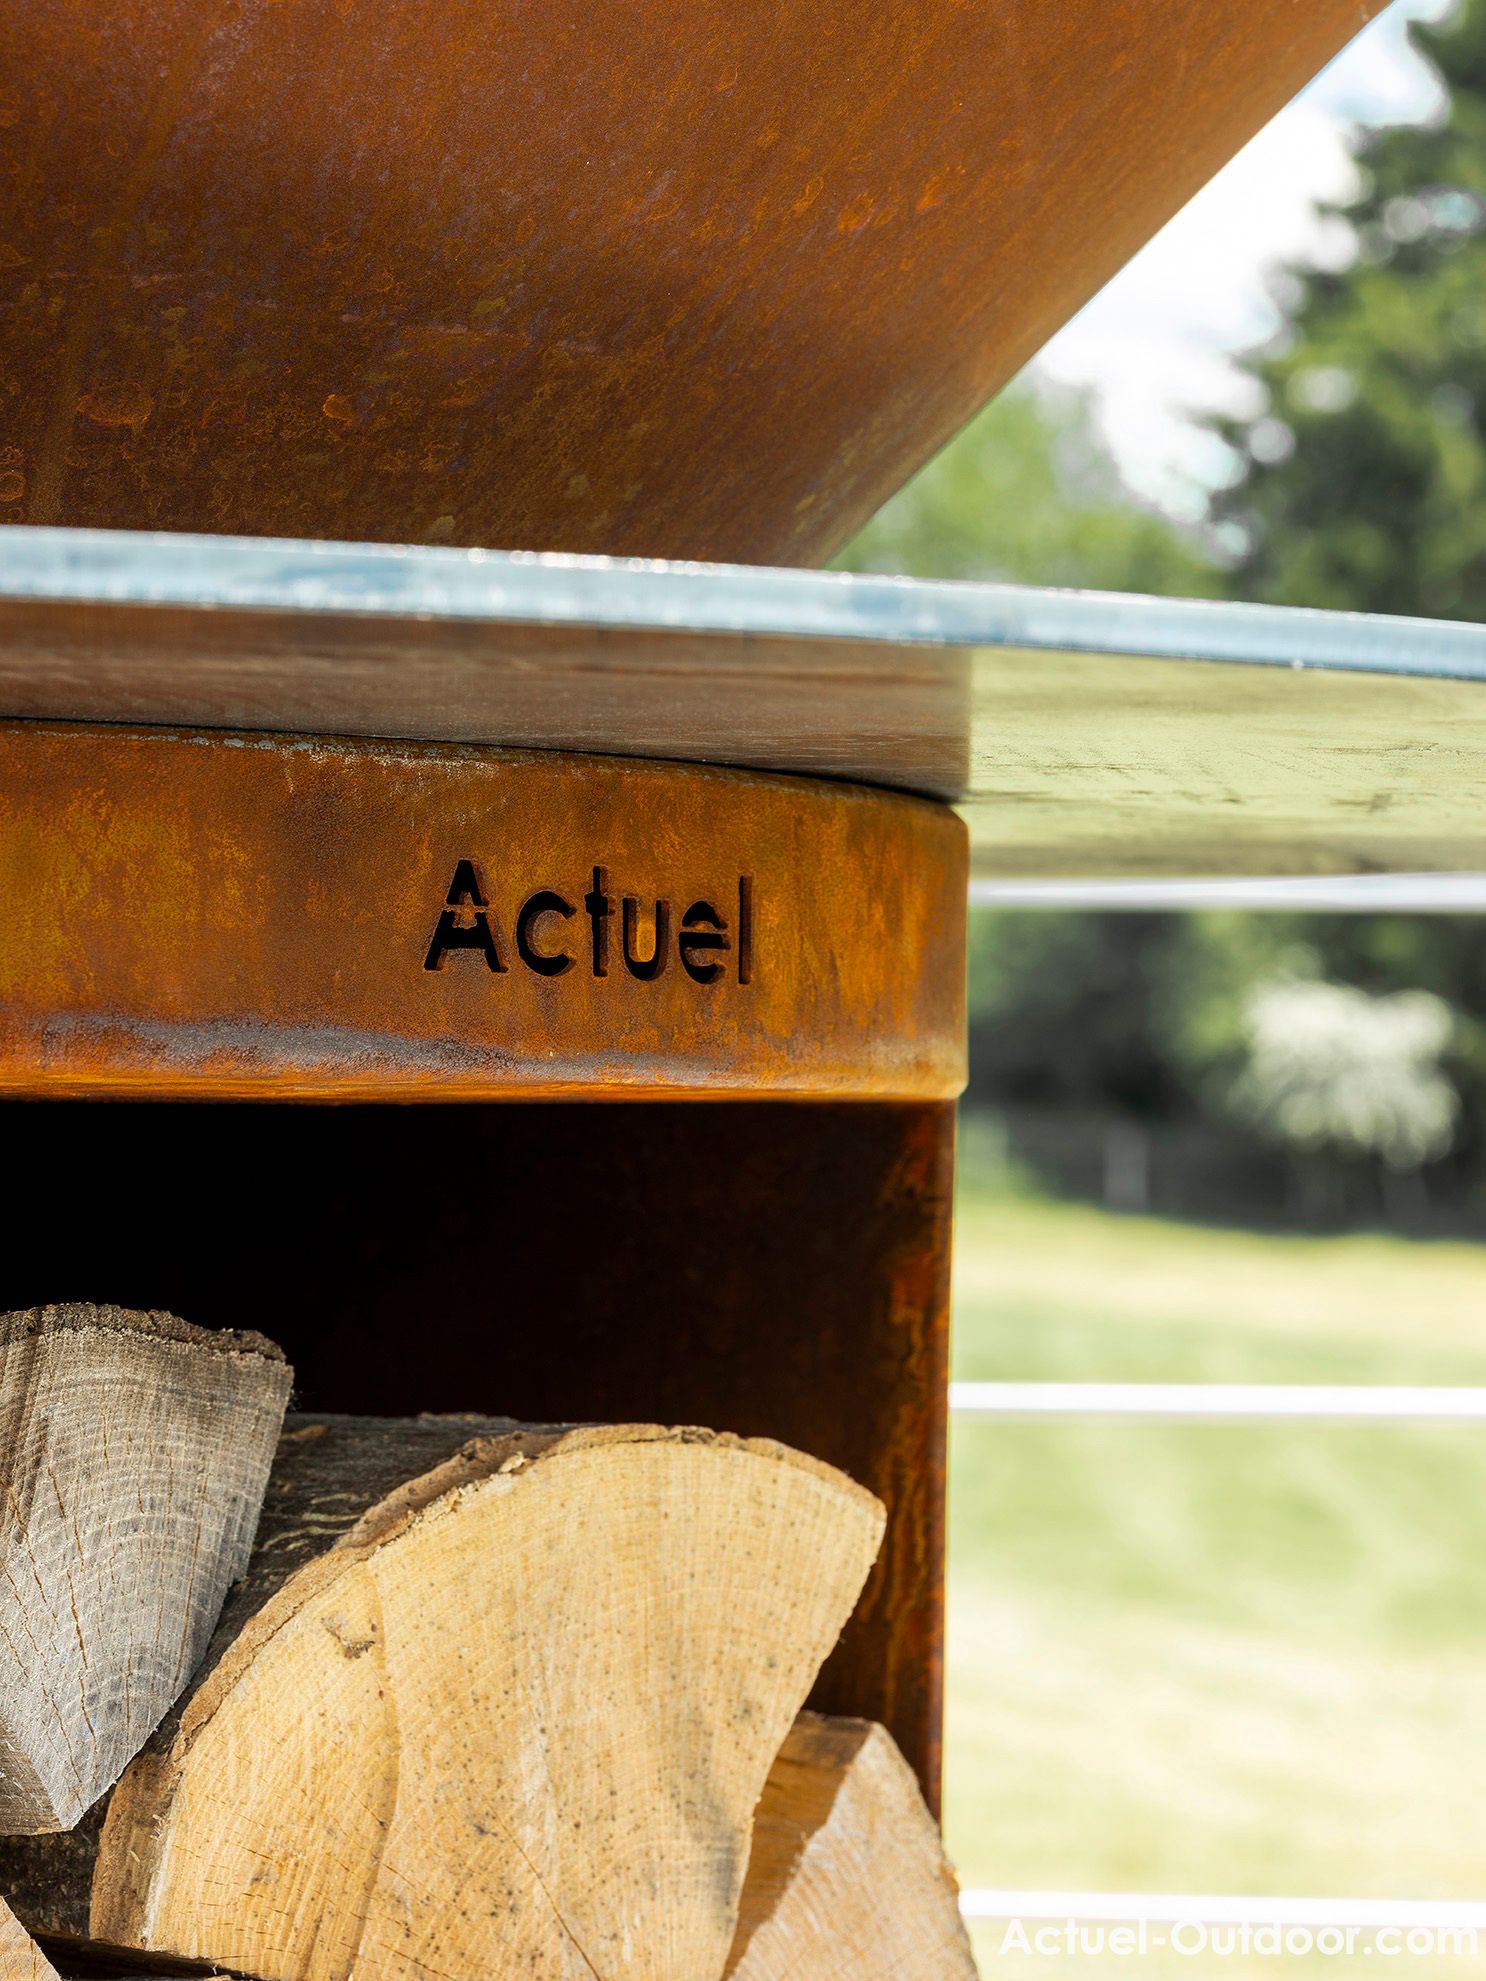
x=134, y=1450
x=847, y=1880
x=496, y=1705
x=20, y=1957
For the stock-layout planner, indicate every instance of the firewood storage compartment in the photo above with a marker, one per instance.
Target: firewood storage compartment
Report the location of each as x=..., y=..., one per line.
x=270, y=1003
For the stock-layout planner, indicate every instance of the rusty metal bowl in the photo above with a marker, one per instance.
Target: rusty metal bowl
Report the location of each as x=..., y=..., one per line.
x=696, y=278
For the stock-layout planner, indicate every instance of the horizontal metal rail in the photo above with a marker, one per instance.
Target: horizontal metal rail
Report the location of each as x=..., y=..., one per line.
x=1342, y=894
x=1359, y=1402
x=1222, y=1910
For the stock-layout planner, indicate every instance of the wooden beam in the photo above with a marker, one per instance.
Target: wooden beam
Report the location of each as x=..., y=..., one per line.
x=1128, y=738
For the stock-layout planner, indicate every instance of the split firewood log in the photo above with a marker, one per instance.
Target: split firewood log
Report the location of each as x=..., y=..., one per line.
x=492, y=1701
x=847, y=1880
x=20, y=1957
x=134, y=1451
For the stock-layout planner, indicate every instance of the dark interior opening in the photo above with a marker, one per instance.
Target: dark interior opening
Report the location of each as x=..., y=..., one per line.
x=774, y=1269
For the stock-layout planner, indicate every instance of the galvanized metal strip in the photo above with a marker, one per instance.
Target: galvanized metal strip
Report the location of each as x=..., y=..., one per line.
x=216, y=573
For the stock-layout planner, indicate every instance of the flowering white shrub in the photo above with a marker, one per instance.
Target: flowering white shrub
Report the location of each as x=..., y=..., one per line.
x=1327, y=1063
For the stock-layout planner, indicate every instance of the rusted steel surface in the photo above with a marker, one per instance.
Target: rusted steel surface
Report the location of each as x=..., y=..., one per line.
x=704, y=280
x=769, y=1268
x=200, y=913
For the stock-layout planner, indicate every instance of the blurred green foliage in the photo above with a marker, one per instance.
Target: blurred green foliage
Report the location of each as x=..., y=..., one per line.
x=1152, y=1017
x=1149, y=1009
x=1029, y=494
x=1360, y=479
x=1360, y=482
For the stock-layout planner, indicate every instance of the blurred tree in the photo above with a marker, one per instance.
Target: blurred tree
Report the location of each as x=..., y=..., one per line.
x=1029, y=494
x=1388, y=956
x=1331, y=1067
x=1309, y=1048
x=1360, y=480
x=1068, y=1009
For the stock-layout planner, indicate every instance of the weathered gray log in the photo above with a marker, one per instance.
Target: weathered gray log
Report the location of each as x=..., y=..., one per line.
x=492, y=1700
x=134, y=1450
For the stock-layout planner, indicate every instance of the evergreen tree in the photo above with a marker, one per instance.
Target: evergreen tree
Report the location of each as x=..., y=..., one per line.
x=1362, y=482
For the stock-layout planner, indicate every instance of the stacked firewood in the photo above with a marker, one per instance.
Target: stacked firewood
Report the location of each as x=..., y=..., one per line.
x=355, y=1699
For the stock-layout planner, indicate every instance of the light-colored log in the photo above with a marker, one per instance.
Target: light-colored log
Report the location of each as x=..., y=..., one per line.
x=134, y=1450
x=492, y=1702
x=847, y=1880
x=20, y=1957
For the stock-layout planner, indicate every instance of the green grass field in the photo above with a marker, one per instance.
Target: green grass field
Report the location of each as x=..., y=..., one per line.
x=1221, y=1658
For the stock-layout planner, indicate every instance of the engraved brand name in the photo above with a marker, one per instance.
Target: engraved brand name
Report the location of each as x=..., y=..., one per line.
x=700, y=939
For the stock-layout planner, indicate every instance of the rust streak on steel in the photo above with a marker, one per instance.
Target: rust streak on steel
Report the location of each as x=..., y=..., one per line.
x=701, y=281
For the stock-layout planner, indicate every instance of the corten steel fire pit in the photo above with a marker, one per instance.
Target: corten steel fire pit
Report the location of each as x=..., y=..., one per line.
x=309, y=823
x=529, y=903
x=218, y=916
